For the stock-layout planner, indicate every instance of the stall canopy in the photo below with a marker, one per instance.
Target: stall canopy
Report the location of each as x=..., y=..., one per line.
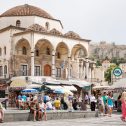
x=53, y=87
x=119, y=84
x=18, y=84
x=80, y=83
x=70, y=88
x=101, y=87
x=33, y=86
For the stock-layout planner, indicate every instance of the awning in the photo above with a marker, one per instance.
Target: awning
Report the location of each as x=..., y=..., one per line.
x=101, y=87
x=53, y=82
x=18, y=84
x=71, y=88
x=67, y=82
x=53, y=87
x=80, y=83
x=33, y=86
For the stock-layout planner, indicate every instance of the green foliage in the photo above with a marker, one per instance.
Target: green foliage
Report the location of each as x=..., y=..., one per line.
x=117, y=61
x=108, y=72
x=98, y=63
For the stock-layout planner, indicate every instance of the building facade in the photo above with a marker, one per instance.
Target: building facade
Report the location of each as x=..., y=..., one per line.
x=32, y=43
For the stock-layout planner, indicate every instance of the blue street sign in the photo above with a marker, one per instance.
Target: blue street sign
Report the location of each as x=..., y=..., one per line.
x=117, y=72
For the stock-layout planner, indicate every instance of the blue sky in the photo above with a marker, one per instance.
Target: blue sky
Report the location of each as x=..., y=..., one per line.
x=98, y=20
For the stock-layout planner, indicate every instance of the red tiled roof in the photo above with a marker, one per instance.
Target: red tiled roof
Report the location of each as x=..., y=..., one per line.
x=26, y=10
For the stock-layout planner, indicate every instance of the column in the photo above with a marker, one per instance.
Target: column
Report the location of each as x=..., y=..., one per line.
x=3, y=69
x=32, y=55
x=53, y=64
x=84, y=71
x=87, y=67
x=32, y=63
x=69, y=66
x=89, y=73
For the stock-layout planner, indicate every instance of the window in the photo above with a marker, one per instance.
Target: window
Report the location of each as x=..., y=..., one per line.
x=5, y=50
x=0, y=51
x=58, y=55
x=47, y=25
x=24, y=51
x=37, y=70
x=58, y=72
x=18, y=23
x=47, y=51
x=23, y=70
x=5, y=69
x=1, y=71
x=37, y=52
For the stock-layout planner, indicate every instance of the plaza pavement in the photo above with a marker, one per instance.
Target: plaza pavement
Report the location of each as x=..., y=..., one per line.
x=99, y=121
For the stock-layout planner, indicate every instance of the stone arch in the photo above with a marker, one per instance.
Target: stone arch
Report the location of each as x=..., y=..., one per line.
x=22, y=43
x=62, y=51
x=78, y=51
x=47, y=70
x=42, y=46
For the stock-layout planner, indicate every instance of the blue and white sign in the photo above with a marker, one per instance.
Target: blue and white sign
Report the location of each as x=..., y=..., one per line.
x=117, y=72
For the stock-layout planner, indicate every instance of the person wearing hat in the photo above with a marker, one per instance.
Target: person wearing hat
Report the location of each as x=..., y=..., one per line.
x=34, y=108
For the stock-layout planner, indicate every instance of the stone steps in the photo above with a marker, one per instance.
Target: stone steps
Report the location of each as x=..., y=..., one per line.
x=51, y=115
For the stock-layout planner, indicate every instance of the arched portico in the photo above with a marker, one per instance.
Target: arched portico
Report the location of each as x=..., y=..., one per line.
x=43, y=55
x=22, y=51
x=62, y=64
x=79, y=55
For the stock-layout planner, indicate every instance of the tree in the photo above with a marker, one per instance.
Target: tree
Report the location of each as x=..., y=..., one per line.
x=108, y=72
x=98, y=63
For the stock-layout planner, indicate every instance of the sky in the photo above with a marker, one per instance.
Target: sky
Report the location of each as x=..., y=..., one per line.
x=97, y=20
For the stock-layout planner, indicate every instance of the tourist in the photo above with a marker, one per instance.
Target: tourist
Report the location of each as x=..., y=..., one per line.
x=57, y=104
x=42, y=113
x=75, y=104
x=70, y=100
x=46, y=98
x=119, y=103
x=105, y=103
x=100, y=104
x=110, y=103
x=24, y=100
x=123, y=99
x=34, y=108
x=1, y=113
x=49, y=105
x=92, y=102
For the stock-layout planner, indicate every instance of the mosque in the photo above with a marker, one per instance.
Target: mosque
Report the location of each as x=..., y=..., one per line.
x=32, y=43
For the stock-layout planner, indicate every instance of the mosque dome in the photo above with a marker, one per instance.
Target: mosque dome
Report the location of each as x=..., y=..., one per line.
x=26, y=10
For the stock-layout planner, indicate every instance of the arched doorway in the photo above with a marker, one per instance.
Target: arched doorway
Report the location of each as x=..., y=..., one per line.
x=47, y=70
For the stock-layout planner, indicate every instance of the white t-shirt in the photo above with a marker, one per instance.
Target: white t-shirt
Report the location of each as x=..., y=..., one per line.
x=92, y=99
x=49, y=105
x=42, y=105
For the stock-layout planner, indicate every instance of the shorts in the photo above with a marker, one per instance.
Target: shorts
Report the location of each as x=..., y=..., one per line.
x=110, y=106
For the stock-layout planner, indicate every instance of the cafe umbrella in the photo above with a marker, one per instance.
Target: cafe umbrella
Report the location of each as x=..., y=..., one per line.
x=29, y=91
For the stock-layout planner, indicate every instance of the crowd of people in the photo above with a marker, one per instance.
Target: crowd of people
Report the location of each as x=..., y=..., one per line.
x=38, y=104
x=106, y=103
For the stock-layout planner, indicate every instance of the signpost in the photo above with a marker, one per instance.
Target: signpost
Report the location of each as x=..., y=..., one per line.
x=116, y=72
